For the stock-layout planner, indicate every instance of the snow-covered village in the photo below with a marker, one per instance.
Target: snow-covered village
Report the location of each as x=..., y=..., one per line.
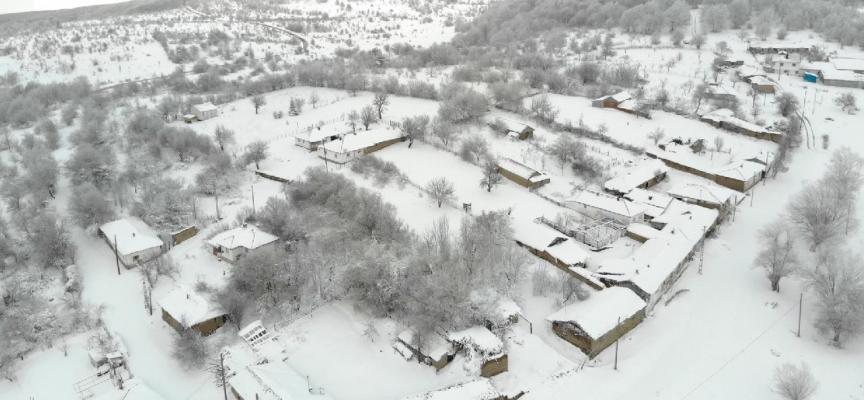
x=431, y=200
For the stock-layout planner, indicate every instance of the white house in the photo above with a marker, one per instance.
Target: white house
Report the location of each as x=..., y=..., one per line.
x=205, y=111
x=602, y=206
x=359, y=144
x=235, y=243
x=315, y=137
x=134, y=246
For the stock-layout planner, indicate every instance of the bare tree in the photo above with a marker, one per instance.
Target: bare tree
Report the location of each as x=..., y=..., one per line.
x=793, y=382
x=698, y=41
x=258, y=101
x=190, y=350
x=257, y=152
x=314, y=99
x=234, y=303
x=718, y=143
x=368, y=116
x=444, y=131
x=787, y=104
x=847, y=102
x=657, y=135
x=441, y=190
x=838, y=282
x=777, y=256
x=89, y=207
x=353, y=119
x=491, y=177
x=381, y=101
x=817, y=215
x=415, y=128
x=223, y=136
x=563, y=150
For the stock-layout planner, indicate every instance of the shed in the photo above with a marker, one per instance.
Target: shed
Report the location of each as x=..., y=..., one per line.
x=183, y=309
x=555, y=247
x=205, y=111
x=134, y=246
x=596, y=323
x=236, y=243
x=522, y=174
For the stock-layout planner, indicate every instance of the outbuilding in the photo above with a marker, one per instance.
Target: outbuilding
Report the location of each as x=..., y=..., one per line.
x=513, y=128
x=522, y=174
x=205, y=111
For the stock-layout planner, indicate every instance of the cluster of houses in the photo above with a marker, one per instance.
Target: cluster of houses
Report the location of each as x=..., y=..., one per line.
x=789, y=60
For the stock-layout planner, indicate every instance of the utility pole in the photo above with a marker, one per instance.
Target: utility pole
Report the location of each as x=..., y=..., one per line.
x=800, y=306
x=253, y=199
x=702, y=251
x=752, y=195
x=116, y=255
x=616, y=345
x=222, y=372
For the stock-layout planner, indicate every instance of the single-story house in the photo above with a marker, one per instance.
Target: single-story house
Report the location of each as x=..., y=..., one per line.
x=272, y=381
x=478, y=389
x=434, y=349
x=815, y=67
x=315, y=137
x=724, y=118
x=235, y=243
x=611, y=101
x=559, y=250
x=205, y=111
x=596, y=323
x=741, y=175
x=708, y=196
x=775, y=48
x=762, y=84
x=655, y=202
x=719, y=92
x=136, y=244
x=642, y=175
x=184, y=309
x=355, y=145
x=483, y=343
x=513, y=128
x=604, y=206
x=522, y=174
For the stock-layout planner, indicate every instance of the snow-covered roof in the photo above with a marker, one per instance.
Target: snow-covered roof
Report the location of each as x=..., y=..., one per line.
x=272, y=381
x=619, y=97
x=779, y=46
x=521, y=170
x=794, y=57
x=847, y=64
x=362, y=140
x=636, y=176
x=650, y=198
x=747, y=70
x=188, y=308
x=761, y=81
x=480, y=338
x=837, y=75
x=601, y=312
x=615, y=205
x=708, y=193
x=816, y=65
x=129, y=239
x=719, y=89
x=246, y=236
x=727, y=117
x=643, y=230
x=690, y=218
x=568, y=252
x=513, y=126
x=435, y=346
x=741, y=170
x=204, y=107
x=535, y=235
x=320, y=133
x=478, y=389
x=628, y=104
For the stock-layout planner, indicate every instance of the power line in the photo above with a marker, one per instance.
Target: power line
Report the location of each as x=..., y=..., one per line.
x=738, y=354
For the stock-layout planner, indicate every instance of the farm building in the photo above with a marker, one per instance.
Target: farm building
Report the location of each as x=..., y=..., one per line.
x=643, y=175
x=513, y=128
x=652, y=269
x=776, y=48
x=434, y=349
x=355, y=145
x=205, y=111
x=271, y=381
x=611, y=101
x=855, y=65
x=605, y=206
x=719, y=92
x=485, y=345
x=556, y=248
x=184, y=309
x=235, y=243
x=761, y=84
x=478, y=389
x=655, y=202
x=708, y=196
x=136, y=244
x=725, y=119
x=314, y=138
x=784, y=64
x=522, y=174
x=596, y=323
x=847, y=79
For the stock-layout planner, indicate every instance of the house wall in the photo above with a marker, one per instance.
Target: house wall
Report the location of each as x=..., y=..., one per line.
x=129, y=260
x=515, y=178
x=559, y=264
x=763, y=88
x=209, y=326
x=171, y=321
x=526, y=133
x=494, y=367
x=842, y=83
x=232, y=255
x=184, y=235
